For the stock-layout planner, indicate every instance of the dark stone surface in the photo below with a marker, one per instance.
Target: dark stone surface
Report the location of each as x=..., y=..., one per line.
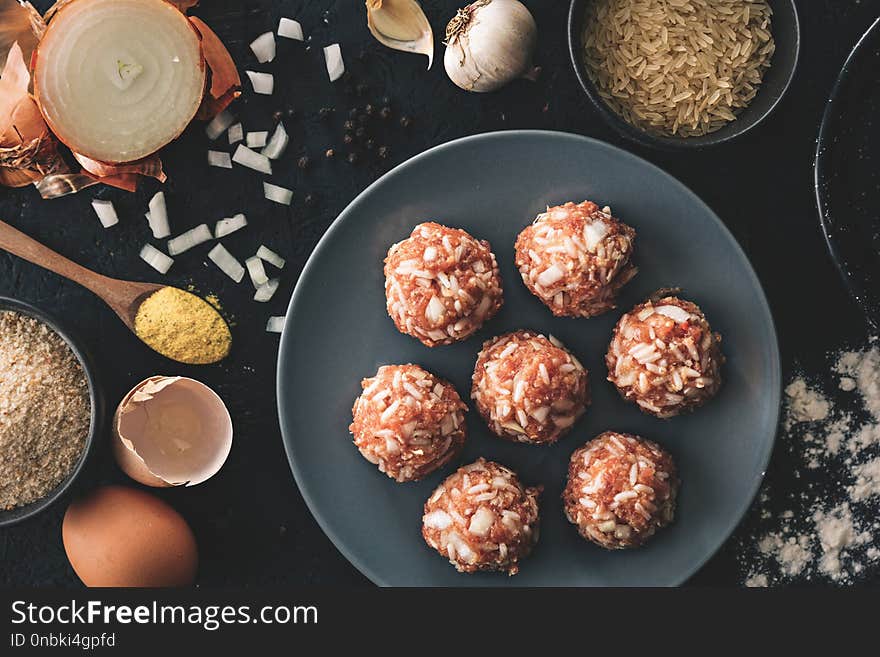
x=252, y=525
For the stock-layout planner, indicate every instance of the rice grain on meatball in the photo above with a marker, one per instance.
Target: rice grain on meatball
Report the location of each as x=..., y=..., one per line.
x=482, y=518
x=529, y=388
x=441, y=284
x=408, y=421
x=664, y=357
x=621, y=489
x=575, y=258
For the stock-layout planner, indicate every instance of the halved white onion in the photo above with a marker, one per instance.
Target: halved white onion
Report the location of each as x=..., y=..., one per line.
x=256, y=139
x=333, y=59
x=290, y=29
x=229, y=225
x=219, y=159
x=106, y=212
x=226, y=262
x=268, y=255
x=156, y=259
x=185, y=241
x=251, y=159
x=116, y=80
x=263, y=83
x=157, y=217
x=277, y=143
x=278, y=194
x=235, y=133
x=264, y=47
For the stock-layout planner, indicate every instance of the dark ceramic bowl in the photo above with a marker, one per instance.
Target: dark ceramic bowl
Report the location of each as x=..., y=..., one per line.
x=786, y=33
x=18, y=514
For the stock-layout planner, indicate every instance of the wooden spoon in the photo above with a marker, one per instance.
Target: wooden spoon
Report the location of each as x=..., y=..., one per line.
x=123, y=297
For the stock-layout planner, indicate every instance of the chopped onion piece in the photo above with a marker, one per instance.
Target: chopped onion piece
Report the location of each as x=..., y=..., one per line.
x=267, y=290
x=290, y=29
x=235, y=134
x=267, y=254
x=264, y=47
x=251, y=159
x=184, y=242
x=156, y=259
x=219, y=159
x=226, y=262
x=277, y=144
x=229, y=225
x=158, y=217
x=256, y=271
x=278, y=194
x=275, y=324
x=106, y=212
x=333, y=58
x=117, y=80
x=256, y=139
x=263, y=83
x=219, y=124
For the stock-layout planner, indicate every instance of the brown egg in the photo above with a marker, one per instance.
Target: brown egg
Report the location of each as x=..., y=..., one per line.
x=118, y=536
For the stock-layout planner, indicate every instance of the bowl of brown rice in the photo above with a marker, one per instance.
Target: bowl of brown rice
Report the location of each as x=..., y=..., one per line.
x=684, y=73
x=51, y=410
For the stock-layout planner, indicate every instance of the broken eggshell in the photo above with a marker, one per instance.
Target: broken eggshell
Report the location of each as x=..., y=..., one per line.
x=171, y=431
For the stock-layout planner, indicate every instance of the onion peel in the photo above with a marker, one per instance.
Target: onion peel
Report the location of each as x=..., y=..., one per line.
x=20, y=23
x=225, y=83
x=149, y=166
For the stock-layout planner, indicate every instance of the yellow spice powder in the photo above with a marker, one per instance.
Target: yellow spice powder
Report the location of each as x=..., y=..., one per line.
x=183, y=327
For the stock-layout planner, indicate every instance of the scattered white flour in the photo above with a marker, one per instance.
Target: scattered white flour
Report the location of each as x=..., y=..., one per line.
x=828, y=531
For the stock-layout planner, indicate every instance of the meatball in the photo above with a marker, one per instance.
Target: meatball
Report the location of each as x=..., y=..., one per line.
x=664, y=356
x=529, y=388
x=441, y=284
x=408, y=421
x=621, y=489
x=575, y=258
x=482, y=518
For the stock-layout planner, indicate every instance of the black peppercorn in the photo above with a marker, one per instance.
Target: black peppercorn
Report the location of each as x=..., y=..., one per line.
x=303, y=162
x=310, y=200
x=360, y=133
x=352, y=158
x=386, y=100
x=348, y=125
x=347, y=139
x=385, y=112
x=324, y=113
x=329, y=153
x=384, y=152
x=291, y=113
x=369, y=109
x=276, y=115
x=405, y=121
x=370, y=145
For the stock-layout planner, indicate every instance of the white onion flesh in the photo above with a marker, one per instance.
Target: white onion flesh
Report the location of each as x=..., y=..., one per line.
x=275, y=324
x=229, y=225
x=156, y=259
x=277, y=143
x=106, y=212
x=226, y=262
x=219, y=124
x=251, y=159
x=264, y=47
x=263, y=83
x=256, y=271
x=290, y=29
x=333, y=59
x=119, y=79
x=157, y=217
x=266, y=291
x=268, y=255
x=235, y=133
x=219, y=159
x=256, y=139
x=184, y=242
x=278, y=194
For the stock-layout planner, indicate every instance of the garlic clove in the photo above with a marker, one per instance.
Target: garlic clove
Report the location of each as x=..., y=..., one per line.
x=171, y=431
x=401, y=25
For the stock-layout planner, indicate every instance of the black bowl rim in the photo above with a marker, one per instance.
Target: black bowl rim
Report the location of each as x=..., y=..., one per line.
x=669, y=143
x=821, y=177
x=22, y=513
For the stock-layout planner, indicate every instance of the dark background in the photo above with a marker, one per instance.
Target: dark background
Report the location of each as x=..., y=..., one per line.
x=252, y=525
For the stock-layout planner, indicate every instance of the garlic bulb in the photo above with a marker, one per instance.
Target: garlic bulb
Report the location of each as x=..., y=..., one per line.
x=401, y=25
x=490, y=43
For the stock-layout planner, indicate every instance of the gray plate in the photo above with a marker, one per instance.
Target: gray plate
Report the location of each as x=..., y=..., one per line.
x=493, y=185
